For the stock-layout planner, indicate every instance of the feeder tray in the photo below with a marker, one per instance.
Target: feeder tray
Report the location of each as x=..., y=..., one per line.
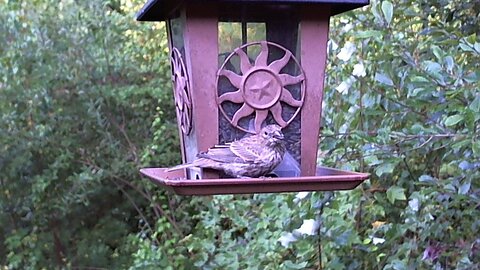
x=325, y=179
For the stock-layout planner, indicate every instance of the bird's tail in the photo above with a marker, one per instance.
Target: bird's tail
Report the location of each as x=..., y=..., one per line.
x=179, y=167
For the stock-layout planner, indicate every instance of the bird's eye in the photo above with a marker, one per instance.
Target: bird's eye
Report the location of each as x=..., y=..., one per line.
x=265, y=133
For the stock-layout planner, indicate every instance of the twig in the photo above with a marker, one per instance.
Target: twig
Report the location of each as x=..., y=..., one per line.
x=410, y=109
x=104, y=48
x=408, y=136
x=373, y=190
x=155, y=206
x=131, y=146
x=408, y=169
x=328, y=197
x=136, y=208
x=155, y=210
x=170, y=207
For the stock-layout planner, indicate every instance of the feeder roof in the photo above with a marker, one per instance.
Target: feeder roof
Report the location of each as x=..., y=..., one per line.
x=160, y=10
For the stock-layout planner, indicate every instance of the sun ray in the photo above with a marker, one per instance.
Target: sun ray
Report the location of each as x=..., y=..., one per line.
x=178, y=63
x=186, y=120
x=245, y=64
x=181, y=82
x=277, y=65
x=186, y=99
x=261, y=60
x=277, y=114
x=235, y=97
x=179, y=89
x=288, y=79
x=260, y=116
x=288, y=98
x=175, y=64
x=234, y=78
x=245, y=110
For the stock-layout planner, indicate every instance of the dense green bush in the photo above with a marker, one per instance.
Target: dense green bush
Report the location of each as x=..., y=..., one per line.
x=412, y=120
x=83, y=96
x=86, y=101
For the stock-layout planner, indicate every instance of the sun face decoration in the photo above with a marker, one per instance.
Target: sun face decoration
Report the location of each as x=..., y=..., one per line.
x=181, y=90
x=261, y=88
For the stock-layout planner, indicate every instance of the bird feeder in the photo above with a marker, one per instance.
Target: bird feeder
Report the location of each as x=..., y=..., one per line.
x=238, y=65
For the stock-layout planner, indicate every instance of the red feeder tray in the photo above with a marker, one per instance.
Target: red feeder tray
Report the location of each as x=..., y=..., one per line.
x=324, y=180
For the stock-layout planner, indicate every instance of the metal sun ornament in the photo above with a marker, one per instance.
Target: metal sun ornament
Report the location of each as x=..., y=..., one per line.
x=261, y=87
x=181, y=88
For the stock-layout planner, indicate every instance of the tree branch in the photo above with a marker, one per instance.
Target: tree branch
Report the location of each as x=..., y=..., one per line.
x=155, y=206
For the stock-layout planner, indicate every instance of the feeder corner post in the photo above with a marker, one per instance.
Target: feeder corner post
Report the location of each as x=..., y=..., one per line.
x=201, y=52
x=314, y=38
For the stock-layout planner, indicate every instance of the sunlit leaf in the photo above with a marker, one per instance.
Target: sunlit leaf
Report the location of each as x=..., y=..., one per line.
x=387, y=9
x=475, y=105
x=464, y=188
x=384, y=79
x=396, y=193
x=432, y=66
x=476, y=46
x=367, y=34
x=426, y=179
x=290, y=265
x=449, y=63
x=385, y=168
x=476, y=148
x=453, y=120
x=466, y=47
x=437, y=52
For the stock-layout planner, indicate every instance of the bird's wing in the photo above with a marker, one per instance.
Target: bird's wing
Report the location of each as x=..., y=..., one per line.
x=220, y=153
x=247, y=149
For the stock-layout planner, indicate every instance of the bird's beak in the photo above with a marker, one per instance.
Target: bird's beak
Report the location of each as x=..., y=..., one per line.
x=278, y=135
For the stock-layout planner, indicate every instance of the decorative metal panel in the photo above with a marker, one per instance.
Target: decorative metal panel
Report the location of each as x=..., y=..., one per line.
x=181, y=84
x=260, y=86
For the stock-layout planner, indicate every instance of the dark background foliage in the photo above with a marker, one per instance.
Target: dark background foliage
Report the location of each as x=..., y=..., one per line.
x=86, y=101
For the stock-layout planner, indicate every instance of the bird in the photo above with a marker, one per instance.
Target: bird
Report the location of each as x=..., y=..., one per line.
x=250, y=157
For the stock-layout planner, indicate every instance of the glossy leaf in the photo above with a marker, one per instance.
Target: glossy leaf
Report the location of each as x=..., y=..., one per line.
x=453, y=120
x=387, y=9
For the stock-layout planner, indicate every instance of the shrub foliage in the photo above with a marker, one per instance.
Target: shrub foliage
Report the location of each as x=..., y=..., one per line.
x=86, y=101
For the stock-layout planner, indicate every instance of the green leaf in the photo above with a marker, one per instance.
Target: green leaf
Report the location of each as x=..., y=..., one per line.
x=464, y=188
x=387, y=9
x=291, y=265
x=420, y=79
x=466, y=47
x=449, y=63
x=385, y=79
x=437, y=52
x=397, y=264
x=471, y=39
x=384, y=168
x=426, y=179
x=453, y=120
x=475, y=105
x=396, y=193
x=372, y=160
x=367, y=34
x=472, y=77
x=369, y=100
x=476, y=46
x=476, y=148
x=376, y=12
x=432, y=67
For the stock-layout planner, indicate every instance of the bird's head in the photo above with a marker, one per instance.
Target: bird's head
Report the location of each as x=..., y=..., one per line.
x=272, y=133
